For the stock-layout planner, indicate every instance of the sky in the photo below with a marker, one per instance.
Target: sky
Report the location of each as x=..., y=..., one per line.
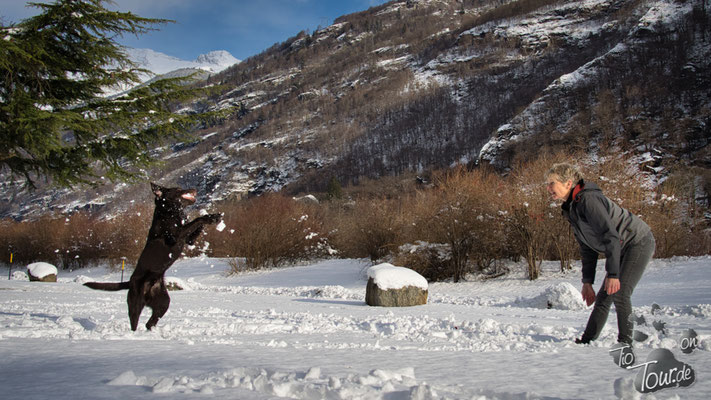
x=242, y=27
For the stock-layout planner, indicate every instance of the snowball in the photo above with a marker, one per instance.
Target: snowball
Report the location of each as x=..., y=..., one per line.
x=42, y=269
x=388, y=276
x=221, y=226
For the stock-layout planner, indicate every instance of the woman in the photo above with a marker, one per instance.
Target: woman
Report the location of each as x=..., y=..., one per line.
x=603, y=227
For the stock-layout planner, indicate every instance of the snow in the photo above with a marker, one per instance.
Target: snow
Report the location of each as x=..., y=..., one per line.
x=664, y=13
x=563, y=296
x=305, y=332
x=41, y=269
x=388, y=276
x=221, y=226
x=159, y=63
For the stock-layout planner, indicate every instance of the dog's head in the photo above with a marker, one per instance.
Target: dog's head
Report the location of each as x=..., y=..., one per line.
x=173, y=198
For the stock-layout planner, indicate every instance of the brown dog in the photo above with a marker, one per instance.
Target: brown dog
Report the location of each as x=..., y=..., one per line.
x=168, y=234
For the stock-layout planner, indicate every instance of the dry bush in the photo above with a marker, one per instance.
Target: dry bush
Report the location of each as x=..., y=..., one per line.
x=678, y=219
x=462, y=211
x=123, y=237
x=368, y=228
x=536, y=227
x=432, y=261
x=268, y=231
x=77, y=240
x=670, y=209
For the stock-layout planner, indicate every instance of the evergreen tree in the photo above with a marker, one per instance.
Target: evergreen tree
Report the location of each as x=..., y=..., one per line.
x=55, y=122
x=334, y=189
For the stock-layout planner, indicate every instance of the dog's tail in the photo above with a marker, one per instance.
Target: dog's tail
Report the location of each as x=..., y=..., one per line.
x=110, y=286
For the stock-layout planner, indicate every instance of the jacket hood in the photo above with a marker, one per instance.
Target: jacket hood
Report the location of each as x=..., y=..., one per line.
x=588, y=187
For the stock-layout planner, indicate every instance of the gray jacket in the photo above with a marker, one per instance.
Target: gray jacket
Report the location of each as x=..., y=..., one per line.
x=601, y=227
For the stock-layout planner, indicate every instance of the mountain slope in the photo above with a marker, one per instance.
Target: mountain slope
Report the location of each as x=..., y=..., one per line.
x=414, y=85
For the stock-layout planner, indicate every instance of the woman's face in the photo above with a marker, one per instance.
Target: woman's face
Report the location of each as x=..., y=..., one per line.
x=557, y=189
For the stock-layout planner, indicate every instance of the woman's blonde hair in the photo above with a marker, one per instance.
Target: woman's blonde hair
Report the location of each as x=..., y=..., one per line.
x=564, y=172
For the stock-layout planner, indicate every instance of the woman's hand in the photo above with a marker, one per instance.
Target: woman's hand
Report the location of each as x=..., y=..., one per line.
x=588, y=293
x=612, y=285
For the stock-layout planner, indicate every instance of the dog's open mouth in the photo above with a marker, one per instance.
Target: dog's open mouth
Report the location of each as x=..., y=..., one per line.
x=189, y=196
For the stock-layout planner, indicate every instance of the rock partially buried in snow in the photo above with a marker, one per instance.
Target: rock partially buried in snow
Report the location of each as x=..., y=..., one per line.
x=42, y=272
x=562, y=296
x=173, y=283
x=19, y=276
x=391, y=286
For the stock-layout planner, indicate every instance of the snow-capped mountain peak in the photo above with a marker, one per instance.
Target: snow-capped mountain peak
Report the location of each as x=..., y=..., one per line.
x=160, y=63
x=220, y=58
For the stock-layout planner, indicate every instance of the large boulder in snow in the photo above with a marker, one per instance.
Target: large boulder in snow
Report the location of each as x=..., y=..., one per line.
x=42, y=272
x=391, y=286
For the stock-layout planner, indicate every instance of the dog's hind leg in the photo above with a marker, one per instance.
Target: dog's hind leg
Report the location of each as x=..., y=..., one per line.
x=159, y=301
x=135, y=306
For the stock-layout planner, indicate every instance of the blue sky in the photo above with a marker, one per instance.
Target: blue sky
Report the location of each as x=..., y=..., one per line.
x=242, y=27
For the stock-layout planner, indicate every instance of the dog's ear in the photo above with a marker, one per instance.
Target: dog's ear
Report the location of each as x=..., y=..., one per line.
x=157, y=190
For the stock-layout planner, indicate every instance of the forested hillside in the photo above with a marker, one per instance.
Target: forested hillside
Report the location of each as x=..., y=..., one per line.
x=413, y=86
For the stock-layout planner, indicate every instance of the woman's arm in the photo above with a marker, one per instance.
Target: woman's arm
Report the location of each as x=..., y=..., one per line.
x=595, y=208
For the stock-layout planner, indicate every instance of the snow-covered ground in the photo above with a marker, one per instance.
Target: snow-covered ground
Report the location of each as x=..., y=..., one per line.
x=305, y=332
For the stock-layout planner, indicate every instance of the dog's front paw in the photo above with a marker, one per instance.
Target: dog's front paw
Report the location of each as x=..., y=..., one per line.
x=213, y=218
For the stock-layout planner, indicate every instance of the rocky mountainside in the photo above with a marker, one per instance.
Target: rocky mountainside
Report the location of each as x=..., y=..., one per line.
x=414, y=85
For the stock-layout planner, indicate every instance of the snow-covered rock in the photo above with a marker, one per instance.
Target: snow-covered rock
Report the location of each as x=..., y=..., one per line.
x=388, y=276
x=391, y=286
x=42, y=271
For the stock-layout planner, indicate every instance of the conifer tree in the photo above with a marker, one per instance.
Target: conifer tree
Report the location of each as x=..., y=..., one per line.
x=334, y=189
x=55, y=122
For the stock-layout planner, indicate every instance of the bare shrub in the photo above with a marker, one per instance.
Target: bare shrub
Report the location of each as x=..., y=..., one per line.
x=432, y=261
x=368, y=228
x=462, y=211
x=538, y=230
x=76, y=241
x=268, y=231
x=677, y=218
x=670, y=209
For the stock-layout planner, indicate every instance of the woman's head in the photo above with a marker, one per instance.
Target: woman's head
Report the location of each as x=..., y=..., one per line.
x=560, y=180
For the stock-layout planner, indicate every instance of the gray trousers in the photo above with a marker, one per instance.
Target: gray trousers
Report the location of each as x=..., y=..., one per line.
x=633, y=262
